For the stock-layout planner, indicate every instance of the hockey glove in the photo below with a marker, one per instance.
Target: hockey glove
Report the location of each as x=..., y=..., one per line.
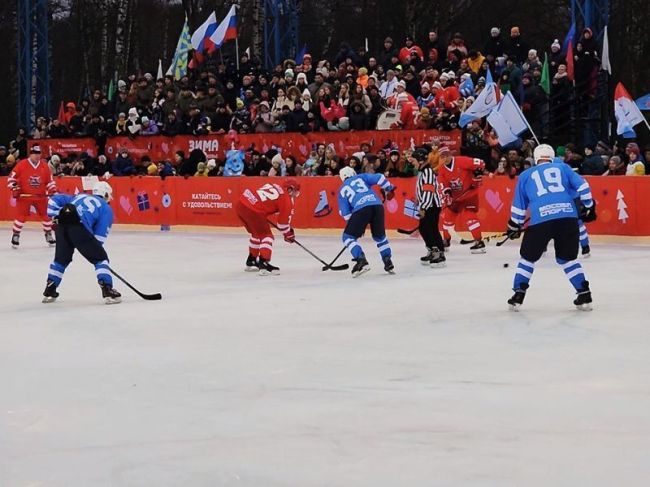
x=446, y=197
x=15, y=191
x=477, y=178
x=588, y=214
x=390, y=193
x=514, y=230
x=290, y=236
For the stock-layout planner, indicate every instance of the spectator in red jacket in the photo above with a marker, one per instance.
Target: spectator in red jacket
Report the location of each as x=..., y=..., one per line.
x=410, y=47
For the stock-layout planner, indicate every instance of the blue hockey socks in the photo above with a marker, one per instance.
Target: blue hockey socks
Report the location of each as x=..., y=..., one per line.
x=574, y=272
x=523, y=275
x=353, y=246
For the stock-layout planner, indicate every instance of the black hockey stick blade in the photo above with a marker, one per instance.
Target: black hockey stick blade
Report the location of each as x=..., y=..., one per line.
x=407, y=232
x=146, y=297
x=501, y=242
x=333, y=267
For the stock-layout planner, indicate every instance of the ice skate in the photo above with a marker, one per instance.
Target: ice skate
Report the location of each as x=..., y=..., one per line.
x=251, y=264
x=388, y=265
x=267, y=269
x=110, y=295
x=583, y=301
x=586, y=252
x=49, y=238
x=15, y=240
x=50, y=294
x=517, y=299
x=478, y=247
x=426, y=260
x=438, y=259
x=360, y=267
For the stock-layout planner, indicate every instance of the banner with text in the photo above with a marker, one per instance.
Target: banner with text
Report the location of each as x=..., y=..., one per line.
x=623, y=202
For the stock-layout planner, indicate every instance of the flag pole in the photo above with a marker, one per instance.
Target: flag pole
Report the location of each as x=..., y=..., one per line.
x=237, y=51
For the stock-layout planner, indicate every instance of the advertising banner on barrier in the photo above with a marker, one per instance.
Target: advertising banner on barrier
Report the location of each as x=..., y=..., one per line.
x=299, y=145
x=623, y=203
x=65, y=147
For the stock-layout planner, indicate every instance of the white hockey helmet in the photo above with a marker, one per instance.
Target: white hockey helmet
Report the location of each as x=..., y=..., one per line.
x=347, y=172
x=103, y=190
x=543, y=152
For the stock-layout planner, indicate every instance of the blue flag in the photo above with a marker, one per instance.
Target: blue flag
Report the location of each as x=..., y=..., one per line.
x=488, y=77
x=466, y=88
x=569, y=38
x=507, y=120
x=301, y=54
x=643, y=103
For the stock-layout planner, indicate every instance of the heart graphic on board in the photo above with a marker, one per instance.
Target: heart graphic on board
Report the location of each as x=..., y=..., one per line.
x=125, y=204
x=165, y=147
x=303, y=149
x=494, y=200
x=12, y=202
x=392, y=206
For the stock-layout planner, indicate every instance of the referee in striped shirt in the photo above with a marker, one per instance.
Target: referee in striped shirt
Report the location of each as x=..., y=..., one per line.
x=429, y=205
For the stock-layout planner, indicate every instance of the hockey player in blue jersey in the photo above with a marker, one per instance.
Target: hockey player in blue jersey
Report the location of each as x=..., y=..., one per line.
x=82, y=223
x=360, y=206
x=547, y=190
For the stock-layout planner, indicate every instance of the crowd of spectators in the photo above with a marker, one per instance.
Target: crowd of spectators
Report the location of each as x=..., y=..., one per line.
x=431, y=83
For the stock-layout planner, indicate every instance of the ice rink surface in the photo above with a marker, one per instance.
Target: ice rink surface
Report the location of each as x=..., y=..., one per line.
x=313, y=378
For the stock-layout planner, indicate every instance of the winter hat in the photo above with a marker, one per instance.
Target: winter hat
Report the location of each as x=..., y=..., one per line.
x=533, y=52
x=301, y=76
x=556, y=45
x=451, y=75
x=437, y=86
x=152, y=169
x=121, y=85
x=444, y=77
x=560, y=151
x=603, y=146
x=264, y=104
x=277, y=158
x=481, y=81
x=55, y=159
x=363, y=71
x=325, y=72
x=148, y=76
x=465, y=76
x=145, y=120
x=306, y=93
x=288, y=73
x=402, y=84
x=212, y=163
x=240, y=103
x=133, y=113
x=426, y=85
x=633, y=147
x=495, y=31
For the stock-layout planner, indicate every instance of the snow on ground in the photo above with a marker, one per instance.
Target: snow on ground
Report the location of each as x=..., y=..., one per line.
x=313, y=378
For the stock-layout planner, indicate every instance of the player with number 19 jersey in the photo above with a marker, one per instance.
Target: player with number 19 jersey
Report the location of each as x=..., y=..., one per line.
x=548, y=191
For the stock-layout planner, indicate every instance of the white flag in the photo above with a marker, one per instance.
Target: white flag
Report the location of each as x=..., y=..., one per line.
x=507, y=120
x=605, y=64
x=160, y=72
x=485, y=102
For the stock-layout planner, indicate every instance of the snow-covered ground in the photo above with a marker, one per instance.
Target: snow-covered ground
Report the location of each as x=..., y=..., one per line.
x=313, y=378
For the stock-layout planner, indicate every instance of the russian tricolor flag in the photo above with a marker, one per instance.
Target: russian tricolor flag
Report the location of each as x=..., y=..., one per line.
x=201, y=38
x=227, y=29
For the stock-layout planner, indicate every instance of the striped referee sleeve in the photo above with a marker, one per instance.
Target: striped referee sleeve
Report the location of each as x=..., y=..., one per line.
x=427, y=189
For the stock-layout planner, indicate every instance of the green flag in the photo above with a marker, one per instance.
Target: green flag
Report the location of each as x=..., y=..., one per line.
x=179, y=64
x=545, y=81
x=111, y=90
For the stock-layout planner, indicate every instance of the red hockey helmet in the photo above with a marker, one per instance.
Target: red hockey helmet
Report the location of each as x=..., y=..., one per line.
x=291, y=184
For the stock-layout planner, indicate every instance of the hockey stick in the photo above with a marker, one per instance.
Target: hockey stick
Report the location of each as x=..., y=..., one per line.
x=505, y=234
x=408, y=232
x=146, y=297
x=327, y=266
x=331, y=264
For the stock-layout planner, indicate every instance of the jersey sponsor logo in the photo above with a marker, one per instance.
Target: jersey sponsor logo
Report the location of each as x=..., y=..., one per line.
x=456, y=185
x=556, y=208
x=248, y=194
x=34, y=181
x=366, y=199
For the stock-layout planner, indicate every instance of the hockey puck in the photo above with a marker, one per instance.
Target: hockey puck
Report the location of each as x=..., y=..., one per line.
x=506, y=265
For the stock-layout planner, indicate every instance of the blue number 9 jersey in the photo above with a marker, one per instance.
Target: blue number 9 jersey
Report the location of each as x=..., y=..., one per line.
x=356, y=193
x=549, y=190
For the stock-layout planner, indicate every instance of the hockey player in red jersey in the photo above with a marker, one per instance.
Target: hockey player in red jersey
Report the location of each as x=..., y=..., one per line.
x=31, y=183
x=254, y=208
x=460, y=178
